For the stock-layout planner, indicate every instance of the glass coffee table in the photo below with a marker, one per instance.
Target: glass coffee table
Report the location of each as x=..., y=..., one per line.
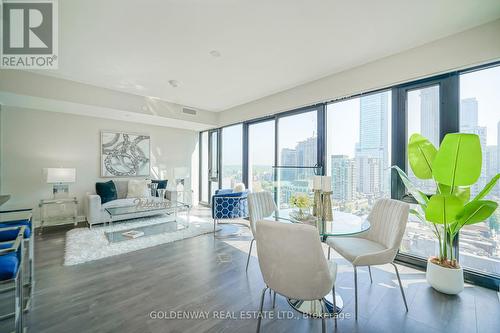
x=169, y=209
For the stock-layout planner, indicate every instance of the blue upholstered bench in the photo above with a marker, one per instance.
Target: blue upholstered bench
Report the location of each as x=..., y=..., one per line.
x=11, y=270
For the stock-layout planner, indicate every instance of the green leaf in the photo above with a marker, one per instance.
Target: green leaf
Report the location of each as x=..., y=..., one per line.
x=443, y=208
x=487, y=188
x=458, y=161
x=418, y=215
x=421, y=154
x=463, y=193
x=412, y=189
x=476, y=211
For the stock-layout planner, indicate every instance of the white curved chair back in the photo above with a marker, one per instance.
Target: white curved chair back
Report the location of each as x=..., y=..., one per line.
x=388, y=220
x=260, y=206
x=292, y=261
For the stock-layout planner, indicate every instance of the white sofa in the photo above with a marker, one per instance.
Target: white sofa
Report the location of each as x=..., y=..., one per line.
x=96, y=213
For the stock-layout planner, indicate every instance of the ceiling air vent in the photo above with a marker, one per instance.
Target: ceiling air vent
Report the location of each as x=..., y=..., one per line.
x=189, y=111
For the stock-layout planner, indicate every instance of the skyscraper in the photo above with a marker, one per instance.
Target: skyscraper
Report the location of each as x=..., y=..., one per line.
x=343, y=177
x=368, y=181
x=288, y=158
x=468, y=114
x=429, y=114
x=469, y=124
x=373, y=141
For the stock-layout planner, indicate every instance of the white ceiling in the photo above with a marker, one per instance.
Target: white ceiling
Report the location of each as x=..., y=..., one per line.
x=266, y=46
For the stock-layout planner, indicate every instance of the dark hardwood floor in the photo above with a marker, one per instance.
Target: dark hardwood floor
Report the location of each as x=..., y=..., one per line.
x=120, y=294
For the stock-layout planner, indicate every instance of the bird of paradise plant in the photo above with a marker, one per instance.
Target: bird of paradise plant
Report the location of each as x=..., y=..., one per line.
x=454, y=168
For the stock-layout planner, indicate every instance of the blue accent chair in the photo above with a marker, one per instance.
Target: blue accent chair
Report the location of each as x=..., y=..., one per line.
x=227, y=204
x=11, y=271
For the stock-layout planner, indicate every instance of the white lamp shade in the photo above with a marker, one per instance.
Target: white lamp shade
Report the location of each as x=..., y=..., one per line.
x=60, y=175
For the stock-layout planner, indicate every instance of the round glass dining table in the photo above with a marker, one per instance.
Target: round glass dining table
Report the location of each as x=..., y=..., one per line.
x=343, y=224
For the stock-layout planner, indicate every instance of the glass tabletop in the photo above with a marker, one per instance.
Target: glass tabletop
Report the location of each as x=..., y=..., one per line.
x=343, y=224
x=145, y=231
x=147, y=206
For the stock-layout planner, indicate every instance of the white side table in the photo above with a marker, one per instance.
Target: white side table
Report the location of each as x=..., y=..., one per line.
x=62, y=202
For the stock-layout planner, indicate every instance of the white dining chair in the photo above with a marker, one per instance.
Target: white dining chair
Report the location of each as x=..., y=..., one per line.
x=378, y=245
x=293, y=264
x=261, y=205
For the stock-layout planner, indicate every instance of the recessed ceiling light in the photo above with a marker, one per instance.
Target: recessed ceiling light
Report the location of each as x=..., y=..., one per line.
x=215, y=53
x=173, y=83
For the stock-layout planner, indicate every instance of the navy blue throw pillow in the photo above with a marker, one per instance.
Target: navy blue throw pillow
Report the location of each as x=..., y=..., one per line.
x=162, y=184
x=107, y=191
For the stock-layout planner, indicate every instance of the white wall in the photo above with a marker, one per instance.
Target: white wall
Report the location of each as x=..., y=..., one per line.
x=471, y=47
x=32, y=140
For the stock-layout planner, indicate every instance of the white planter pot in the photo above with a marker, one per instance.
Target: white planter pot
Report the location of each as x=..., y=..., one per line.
x=446, y=280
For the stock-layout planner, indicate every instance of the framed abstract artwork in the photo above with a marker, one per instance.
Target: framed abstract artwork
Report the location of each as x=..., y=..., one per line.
x=125, y=154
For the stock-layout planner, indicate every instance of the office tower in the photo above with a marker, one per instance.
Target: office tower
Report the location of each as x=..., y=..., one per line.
x=306, y=155
x=468, y=114
x=491, y=161
x=288, y=158
x=429, y=114
x=307, y=151
x=343, y=177
x=469, y=124
x=368, y=169
x=373, y=140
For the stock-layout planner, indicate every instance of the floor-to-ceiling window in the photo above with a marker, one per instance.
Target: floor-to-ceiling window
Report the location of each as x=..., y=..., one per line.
x=358, y=139
x=358, y=158
x=232, y=155
x=422, y=117
x=261, y=156
x=297, y=155
x=213, y=164
x=479, y=244
x=204, y=167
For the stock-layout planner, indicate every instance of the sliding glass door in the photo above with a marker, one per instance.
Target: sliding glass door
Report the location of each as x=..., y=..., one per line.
x=204, y=167
x=479, y=244
x=261, y=155
x=213, y=162
x=232, y=155
x=297, y=154
x=358, y=158
x=422, y=117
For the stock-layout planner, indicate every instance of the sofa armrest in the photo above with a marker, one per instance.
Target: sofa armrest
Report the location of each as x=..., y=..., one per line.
x=93, y=208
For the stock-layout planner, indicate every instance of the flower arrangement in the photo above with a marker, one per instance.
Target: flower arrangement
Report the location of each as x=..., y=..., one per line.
x=301, y=201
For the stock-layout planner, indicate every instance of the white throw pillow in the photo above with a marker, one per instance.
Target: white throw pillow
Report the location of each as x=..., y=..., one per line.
x=138, y=188
x=239, y=187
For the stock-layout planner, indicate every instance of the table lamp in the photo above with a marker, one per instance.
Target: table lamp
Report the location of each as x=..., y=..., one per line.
x=60, y=177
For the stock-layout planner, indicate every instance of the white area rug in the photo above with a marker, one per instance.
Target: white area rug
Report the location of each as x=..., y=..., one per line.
x=83, y=244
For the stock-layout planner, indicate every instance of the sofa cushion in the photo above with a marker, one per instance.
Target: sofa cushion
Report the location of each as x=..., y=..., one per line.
x=162, y=184
x=107, y=191
x=121, y=188
x=138, y=188
x=120, y=203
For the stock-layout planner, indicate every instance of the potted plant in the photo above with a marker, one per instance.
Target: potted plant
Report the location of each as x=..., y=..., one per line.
x=454, y=168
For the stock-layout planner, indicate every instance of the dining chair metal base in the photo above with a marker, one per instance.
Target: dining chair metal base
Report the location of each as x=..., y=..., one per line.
x=314, y=308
